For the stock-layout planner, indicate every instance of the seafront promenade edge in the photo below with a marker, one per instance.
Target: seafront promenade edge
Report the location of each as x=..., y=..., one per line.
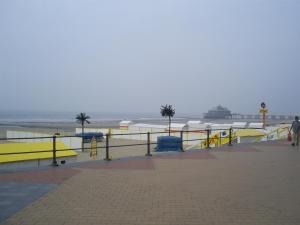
x=244, y=184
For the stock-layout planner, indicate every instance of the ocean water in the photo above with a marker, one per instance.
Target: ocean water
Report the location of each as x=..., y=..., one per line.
x=48, y=117
x=27, y=116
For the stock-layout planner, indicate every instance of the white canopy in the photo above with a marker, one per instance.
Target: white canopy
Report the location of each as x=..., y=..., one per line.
x=239, y=124
x=193, y=122
x=125, y=123
x=144, y=125
x=201, y=126
x=221, y=126
x=177, y=126
x=255, y=125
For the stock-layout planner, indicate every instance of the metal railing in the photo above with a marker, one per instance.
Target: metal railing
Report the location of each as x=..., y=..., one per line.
x=108, y=136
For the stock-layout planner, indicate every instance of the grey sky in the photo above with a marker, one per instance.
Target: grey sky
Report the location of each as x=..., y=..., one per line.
x=134, y=55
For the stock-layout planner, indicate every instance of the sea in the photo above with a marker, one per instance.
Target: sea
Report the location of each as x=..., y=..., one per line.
x=7, y=117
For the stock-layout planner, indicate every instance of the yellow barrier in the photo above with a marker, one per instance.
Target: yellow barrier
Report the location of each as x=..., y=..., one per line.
x=215, y=140
x=32, y=147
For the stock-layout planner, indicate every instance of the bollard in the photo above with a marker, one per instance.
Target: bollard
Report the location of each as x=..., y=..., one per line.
x=230, y=137
x=148, y=145
x=54, y=161
x=107, y=158
x=207, y=139
x=181, y=144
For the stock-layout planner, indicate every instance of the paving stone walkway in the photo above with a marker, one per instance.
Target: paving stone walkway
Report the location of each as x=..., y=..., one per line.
x=243, y=185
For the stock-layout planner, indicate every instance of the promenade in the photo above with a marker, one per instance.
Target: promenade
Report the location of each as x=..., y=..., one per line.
x=257, y=184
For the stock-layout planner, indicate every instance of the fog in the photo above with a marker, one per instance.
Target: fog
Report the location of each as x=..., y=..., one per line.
x=135, y=55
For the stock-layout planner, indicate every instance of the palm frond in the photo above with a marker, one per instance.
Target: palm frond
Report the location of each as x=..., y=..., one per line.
x=82, y=118
x=167, y=110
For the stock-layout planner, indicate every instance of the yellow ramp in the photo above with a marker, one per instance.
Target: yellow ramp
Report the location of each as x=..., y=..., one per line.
x=279, y=133
x=249, y=133
x=32, y=148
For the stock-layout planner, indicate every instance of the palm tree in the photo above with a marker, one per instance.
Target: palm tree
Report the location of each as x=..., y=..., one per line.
x=82, y=118
x=167, y=111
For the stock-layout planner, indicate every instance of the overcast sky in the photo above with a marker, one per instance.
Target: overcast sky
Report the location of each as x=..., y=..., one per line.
x=135, y=55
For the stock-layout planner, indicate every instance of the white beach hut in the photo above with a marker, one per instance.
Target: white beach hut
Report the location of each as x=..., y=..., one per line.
x=194, y=124
x=143, y=127
x=221, y=126
x=202, y=126
x=125, y=124
x=177, y=126
x=239, y=124
x=256, y=125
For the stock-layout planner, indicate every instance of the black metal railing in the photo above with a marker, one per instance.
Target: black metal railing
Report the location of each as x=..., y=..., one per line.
x=108, y=136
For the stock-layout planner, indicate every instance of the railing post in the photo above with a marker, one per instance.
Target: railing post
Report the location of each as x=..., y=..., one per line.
x=181, y=138
x=148, y=145
x=230, y=136
x=54, y=161
x=107, y=158
x=207, y=139
x=82, y=143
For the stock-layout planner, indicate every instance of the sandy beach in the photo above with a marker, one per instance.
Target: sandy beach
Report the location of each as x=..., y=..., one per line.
x=68, y=128
x=65, y=128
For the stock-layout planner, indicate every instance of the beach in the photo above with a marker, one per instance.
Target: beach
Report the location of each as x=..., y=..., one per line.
x=68, y=128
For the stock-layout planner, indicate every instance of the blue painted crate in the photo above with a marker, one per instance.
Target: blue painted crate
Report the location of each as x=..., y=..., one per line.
x=168, y=143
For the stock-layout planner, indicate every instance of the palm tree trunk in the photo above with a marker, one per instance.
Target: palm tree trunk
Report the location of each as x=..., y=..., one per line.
x=82, y=133
x=169, y=126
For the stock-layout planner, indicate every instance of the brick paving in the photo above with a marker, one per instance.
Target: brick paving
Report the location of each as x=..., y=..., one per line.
x=187, y=155
x=49, y=176
x=256, y=185
x=238, y=149
x=275, y=144
x=141, y=164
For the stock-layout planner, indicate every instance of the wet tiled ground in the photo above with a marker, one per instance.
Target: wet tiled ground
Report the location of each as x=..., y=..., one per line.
x=50, y=175
x=248, y=184
x=187, y=155
x=140, y=164
x=15, y=196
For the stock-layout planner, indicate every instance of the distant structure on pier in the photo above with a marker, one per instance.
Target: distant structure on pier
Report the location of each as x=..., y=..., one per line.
x=219, y=112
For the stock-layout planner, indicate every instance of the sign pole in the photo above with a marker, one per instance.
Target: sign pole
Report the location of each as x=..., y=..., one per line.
x=263, y=110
